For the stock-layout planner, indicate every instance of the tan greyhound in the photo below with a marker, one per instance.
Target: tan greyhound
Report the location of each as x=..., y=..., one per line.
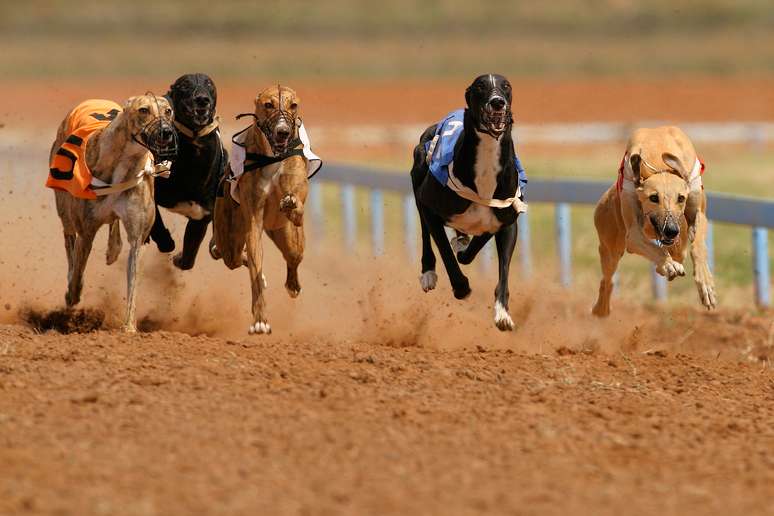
x=102, y=169
x=267, y=193
x=656, y=209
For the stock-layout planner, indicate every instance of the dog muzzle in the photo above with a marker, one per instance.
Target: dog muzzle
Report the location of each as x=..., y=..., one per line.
x=279, y=141
x=160, y=138
x=493, y=120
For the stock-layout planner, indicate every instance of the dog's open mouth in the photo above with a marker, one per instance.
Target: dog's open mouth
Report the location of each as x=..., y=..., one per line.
x=496, y=121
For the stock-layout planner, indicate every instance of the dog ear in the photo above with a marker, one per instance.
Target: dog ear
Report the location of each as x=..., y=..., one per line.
x=129, y=102
x=467, y=95
x=674, y=163
x=635, y=161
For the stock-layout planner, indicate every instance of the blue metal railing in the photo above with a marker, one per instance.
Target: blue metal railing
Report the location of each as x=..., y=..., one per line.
x=755, y=213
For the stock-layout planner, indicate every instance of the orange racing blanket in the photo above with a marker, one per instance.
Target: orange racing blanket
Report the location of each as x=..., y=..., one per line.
x=68, y=170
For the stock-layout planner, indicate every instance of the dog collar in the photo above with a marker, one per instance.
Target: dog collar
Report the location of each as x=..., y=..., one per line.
x=195, y=135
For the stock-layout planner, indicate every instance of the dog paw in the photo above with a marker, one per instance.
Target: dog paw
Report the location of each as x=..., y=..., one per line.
x=428, y=280
x=460, y=243
x=293, y=287
x=214, y=251
x=671, y=269
x=291, y=207
x=129, y=328
x=288, y=203
x=181, y=263
x=502, y=318
x=706, y=288
x=600, y=310
x=462, y=290
x=164, y=242
x=260, y=328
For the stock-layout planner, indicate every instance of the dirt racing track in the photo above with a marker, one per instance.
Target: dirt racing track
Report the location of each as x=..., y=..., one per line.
x=670, y=415
x=370, y=397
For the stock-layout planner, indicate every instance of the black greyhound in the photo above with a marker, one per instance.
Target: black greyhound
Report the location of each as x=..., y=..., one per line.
x=197, y=169
x=472, y=183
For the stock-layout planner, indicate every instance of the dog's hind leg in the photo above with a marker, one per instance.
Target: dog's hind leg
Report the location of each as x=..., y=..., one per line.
x=466, y=256
x=82, y=250
x=114, y=243
x=506, y=243
x=195, y=231
x=290, y=240
x=459, y=282
x=429, y=278
x=609, y=256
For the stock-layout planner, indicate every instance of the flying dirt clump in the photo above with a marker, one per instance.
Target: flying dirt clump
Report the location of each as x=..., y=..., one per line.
x=64, y=320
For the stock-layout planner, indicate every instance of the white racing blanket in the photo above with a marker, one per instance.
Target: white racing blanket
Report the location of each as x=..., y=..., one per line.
x=238, y=153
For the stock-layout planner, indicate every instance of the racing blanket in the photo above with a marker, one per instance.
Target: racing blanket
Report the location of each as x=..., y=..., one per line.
x=68, y=170
x=238, y=157
x=440, y=153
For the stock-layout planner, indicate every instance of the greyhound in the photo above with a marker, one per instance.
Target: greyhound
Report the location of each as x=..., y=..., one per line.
x=656, y=209
x=466, y=175
x=102, y=170
x=265, y=189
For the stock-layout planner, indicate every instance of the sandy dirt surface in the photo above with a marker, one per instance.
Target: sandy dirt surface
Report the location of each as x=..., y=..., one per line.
x=166, y=423
x=370, y=397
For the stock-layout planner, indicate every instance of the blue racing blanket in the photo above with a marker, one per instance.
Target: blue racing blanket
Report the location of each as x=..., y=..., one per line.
x=441, y=155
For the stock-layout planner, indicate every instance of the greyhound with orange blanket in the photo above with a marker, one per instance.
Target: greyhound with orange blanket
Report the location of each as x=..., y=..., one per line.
x=102, y=166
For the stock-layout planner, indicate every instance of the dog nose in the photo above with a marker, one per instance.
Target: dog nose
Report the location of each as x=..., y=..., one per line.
x=202, y=101
x=497, y=103
x=671, y=230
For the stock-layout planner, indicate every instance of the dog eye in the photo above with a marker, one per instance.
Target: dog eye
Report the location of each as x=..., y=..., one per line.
x=168, y=112
x=144, y=111
x=681, y=198
x=268, y=105
x=653, y=198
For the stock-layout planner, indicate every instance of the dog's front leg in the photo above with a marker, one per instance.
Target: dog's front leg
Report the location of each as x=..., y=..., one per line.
x=195, y=231
x=255, y=268
x=638, y=243
x=133, y=260
x=293, y=189
x=506, y=243
x=702, y=275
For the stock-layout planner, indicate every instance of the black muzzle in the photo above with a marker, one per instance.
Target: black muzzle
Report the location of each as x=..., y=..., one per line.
x=159, y=137
x=495, y=115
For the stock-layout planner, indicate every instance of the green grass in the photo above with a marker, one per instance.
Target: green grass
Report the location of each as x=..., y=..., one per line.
x=345, y=38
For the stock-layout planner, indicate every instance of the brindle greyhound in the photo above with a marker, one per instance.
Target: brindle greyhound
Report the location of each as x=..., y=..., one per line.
x=120, y=157
x=480, y=197
x=272, y=190
x=656, y=209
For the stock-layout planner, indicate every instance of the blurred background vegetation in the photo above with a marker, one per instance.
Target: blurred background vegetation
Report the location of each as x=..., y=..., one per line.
x=370, y=39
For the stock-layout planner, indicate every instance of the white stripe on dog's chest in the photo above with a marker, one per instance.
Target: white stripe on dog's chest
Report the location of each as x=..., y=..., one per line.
x=478, y=219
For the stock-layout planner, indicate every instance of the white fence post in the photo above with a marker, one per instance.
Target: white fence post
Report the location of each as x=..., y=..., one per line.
x=760, y=242
x=410, y=226
x=525, y=246
x=564, y=243
x=377, y=222
x=349, y=216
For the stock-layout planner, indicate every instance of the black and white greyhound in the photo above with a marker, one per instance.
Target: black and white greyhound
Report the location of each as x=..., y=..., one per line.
x=475, y=190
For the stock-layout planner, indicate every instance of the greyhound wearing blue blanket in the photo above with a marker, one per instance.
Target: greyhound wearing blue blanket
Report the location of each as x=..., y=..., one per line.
x=466, y=176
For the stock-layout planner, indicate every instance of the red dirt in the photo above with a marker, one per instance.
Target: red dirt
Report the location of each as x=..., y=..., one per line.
x=166, y=423
x=415, y=101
